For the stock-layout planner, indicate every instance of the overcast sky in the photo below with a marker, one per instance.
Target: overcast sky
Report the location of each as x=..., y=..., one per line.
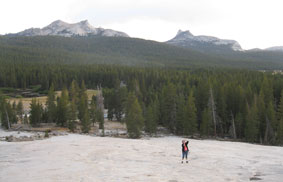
x=253, y=23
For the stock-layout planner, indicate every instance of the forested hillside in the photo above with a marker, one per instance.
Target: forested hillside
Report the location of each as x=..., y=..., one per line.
x=101, y=50
x=128, y=51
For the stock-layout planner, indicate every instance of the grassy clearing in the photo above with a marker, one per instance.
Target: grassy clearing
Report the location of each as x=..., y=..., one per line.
x=42, y=100
x=91, y=93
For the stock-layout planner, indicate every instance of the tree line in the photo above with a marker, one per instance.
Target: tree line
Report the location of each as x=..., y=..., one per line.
x=241, y=104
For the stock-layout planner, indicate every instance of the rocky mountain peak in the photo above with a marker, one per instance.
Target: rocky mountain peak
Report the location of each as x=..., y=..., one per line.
x=187, y=32
x=61, y=28
x=84, y=22
x=187, y=39
x=184, y=34
x=57, y=23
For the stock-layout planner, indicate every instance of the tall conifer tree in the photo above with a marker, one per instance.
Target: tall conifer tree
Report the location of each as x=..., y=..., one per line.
x=50, y=105
x=134, y=118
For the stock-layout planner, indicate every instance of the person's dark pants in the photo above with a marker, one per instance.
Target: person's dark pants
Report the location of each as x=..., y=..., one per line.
x=184, y=154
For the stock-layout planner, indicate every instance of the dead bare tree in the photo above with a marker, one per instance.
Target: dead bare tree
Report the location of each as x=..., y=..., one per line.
x=213, y=109
x=100, y=99
x=233, y=126
x=268, y=130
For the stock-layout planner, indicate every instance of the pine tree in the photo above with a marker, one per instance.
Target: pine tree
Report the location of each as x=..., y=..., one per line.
x=202, y=97
x=50, y=105
x=13, y=113
x=20, y=110
x=63, y=108
x=252, y=123
x=222, y=109
x=134, y=118
x=97, y=111
x=269, y=135
x=74, y=89
x=205, y=126
x=191, y=116
x=212, y=106
x=280, y=108
x=279, y=123
x=35, y=112
x=100, y=119
x=151, y=119
x=92, y=111
x=109, y=102
x=83, y=102
x=267, y=91
x=156, y=111
x=85, y=122
x=169, y=107
x=279, y=139
x=262, y=115
x=182, y=126
x=73, y=115
x=120, y=96
x=239, y=124
x=5, y=112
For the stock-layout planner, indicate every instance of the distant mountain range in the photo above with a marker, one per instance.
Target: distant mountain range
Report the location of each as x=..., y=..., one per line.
x=81, y=43
x=211, y=44
x=61, y=28
x=184, y=39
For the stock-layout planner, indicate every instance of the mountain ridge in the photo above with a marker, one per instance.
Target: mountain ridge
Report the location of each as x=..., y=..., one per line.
x=61, y=28
x=275, y=48
x=203, y=42
x=84, y=45
x=186, y=39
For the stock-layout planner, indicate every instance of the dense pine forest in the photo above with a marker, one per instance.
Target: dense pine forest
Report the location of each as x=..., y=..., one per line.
x=239, y=104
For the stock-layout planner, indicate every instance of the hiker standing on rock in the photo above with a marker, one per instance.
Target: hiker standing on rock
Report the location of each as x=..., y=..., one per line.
x=185, y=150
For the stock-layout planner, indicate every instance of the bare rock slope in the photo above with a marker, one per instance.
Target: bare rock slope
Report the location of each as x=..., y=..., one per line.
x=60, y=28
